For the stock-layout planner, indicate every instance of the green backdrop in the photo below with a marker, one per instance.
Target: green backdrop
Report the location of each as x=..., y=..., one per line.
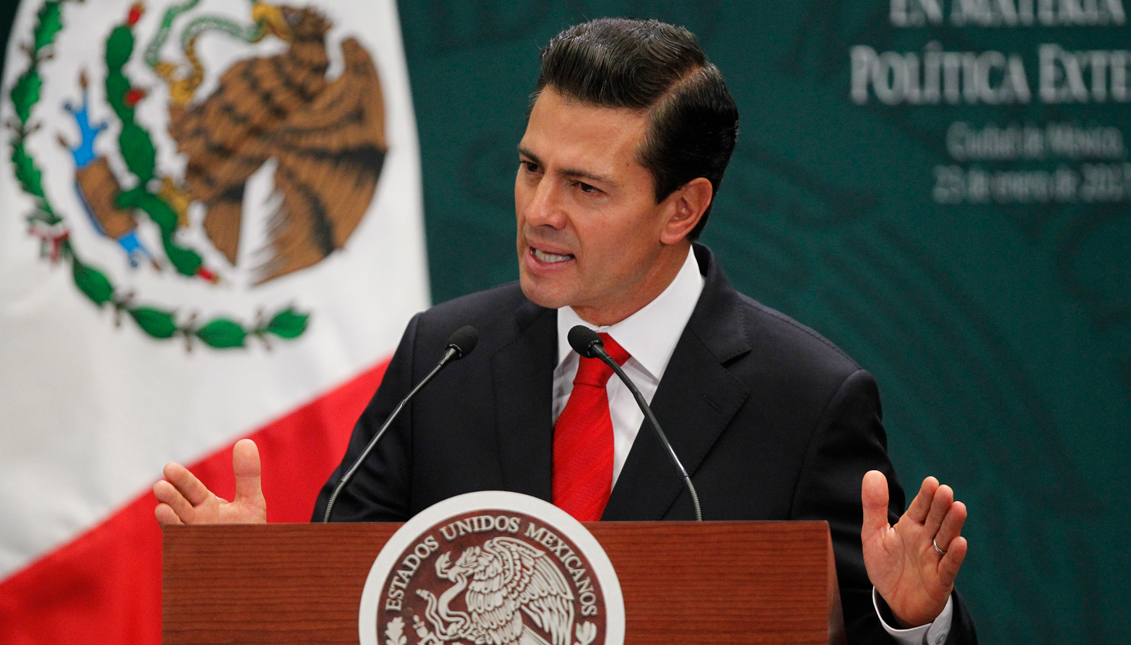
x=998, y=324
x=960, y=224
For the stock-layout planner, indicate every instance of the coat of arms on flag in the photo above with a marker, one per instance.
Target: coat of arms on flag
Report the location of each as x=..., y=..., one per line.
x=168, y=187
x=211, y=227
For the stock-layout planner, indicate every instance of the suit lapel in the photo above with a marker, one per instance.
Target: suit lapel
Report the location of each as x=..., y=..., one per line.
x=695, y=401
x=522, y=373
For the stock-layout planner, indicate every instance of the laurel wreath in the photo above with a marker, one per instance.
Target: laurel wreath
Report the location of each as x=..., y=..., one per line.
x=394, y=632
x=137, y=150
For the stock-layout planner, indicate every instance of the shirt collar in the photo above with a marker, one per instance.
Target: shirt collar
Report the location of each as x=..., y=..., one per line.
x=649, y=335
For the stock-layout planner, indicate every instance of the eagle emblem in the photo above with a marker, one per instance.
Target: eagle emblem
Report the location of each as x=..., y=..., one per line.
x=165, y=153
x=513, y=593
x=327, y=138
x=492, y=568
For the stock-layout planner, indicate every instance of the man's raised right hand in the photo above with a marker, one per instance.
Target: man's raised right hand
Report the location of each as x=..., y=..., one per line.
x=183, y=499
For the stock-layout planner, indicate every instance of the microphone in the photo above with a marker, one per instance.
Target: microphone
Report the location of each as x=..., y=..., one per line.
x=586, y=342
x=460, y=344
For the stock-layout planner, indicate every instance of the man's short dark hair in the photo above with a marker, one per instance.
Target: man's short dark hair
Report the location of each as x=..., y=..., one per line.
x=658, y=68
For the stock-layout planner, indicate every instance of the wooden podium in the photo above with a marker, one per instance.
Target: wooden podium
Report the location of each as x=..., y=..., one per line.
x=683, y=582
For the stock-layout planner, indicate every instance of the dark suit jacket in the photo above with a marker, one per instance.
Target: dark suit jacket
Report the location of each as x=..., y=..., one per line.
x=772, y=421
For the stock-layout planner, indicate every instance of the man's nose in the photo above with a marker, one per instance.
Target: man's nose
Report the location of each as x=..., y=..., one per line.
x=546, y=206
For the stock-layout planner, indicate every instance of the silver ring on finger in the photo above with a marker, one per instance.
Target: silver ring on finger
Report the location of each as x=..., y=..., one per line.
x=936, y=545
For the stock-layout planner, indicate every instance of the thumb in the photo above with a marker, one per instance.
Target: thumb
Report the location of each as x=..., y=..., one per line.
x=245, y=466
x=874, y=498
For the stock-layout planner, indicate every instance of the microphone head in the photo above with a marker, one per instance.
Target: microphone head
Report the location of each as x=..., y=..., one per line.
x=463, y=340
x=582, y=339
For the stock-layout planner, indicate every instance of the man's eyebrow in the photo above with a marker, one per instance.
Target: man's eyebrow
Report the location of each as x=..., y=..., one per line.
x=527, y=153
x=568, y=172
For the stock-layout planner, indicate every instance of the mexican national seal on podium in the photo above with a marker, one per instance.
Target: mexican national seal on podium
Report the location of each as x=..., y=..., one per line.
x=492, y=567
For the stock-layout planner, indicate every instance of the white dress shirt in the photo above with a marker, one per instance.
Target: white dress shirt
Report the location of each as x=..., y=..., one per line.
x=650, y=336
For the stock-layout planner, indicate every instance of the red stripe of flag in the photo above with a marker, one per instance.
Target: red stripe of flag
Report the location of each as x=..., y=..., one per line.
x=104, y=587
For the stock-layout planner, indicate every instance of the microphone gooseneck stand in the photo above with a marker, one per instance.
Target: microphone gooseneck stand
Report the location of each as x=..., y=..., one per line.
x=586, y=342
x=460, y=344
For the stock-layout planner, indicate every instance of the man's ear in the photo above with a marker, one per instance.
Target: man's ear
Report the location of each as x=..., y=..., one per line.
x=687, y=203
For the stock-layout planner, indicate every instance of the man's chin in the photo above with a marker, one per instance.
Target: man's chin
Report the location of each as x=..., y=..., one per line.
x=541, y=294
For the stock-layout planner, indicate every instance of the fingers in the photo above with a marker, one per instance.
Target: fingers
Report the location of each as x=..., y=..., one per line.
x=166, y=516
x=940, y=506
x=945, y=521
x=874, y=498
x=246, y=467
x=952, y=561
x=186, y=484
x=173, y=508
x=921, y=505
x=184, y=499
x=951, y=526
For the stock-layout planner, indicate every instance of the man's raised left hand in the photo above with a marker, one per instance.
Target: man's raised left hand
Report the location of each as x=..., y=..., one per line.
x=902, y=560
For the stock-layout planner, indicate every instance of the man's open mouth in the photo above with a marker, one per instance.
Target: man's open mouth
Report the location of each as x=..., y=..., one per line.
x=545, y=256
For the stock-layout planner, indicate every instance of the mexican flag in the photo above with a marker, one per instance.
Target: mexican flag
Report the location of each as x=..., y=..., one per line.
x=210, y=228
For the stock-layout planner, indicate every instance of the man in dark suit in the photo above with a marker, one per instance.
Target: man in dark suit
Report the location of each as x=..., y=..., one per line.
x=626, y=143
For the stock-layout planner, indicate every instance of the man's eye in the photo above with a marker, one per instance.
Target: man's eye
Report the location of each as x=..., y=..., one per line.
x=528, y=166
x=586, y=188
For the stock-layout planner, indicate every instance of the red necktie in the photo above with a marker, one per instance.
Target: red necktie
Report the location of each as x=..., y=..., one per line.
x=583, y=440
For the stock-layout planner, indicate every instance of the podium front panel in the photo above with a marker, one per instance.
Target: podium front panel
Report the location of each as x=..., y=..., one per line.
x=683, y=582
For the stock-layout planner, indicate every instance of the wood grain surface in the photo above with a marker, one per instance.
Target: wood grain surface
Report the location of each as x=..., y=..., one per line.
x=683, y=582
